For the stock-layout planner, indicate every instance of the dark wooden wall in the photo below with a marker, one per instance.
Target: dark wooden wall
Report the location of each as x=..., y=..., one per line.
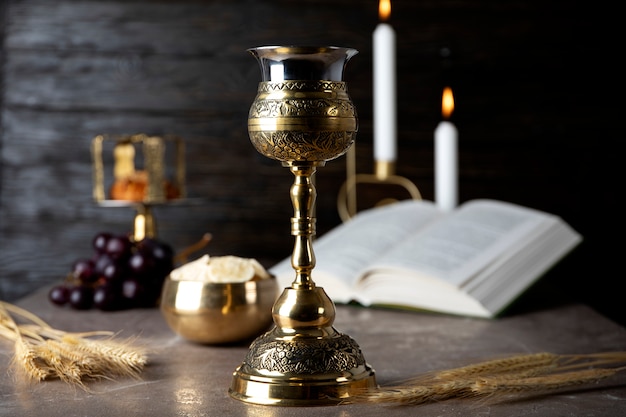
x=537, y=106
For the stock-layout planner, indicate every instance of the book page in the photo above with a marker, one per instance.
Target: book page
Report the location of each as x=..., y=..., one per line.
x=468, y=241
x=345, y=251
x=516, y=273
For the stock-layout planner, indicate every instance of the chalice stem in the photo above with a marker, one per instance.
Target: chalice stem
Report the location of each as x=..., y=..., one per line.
x=303, y=195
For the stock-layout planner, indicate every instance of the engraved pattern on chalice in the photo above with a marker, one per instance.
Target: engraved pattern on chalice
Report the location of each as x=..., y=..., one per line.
x=302, y=121
x=330, y=355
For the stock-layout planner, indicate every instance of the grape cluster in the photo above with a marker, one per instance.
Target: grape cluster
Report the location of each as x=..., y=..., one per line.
x=122, y=274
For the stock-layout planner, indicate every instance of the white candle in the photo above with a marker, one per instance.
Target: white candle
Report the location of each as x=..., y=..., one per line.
x=446, y=157
x=384, y=53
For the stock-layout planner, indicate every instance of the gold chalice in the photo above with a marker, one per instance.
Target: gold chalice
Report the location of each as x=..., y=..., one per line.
x=302, y=116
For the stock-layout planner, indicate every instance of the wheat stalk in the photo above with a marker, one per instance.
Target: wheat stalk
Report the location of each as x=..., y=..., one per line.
x=43, y=352
x=512, y=364
x=492, y=385
x=497, y=378
x=116, y=358
x=30, y=361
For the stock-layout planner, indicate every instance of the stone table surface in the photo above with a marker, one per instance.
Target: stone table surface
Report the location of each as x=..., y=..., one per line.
x=191, y=380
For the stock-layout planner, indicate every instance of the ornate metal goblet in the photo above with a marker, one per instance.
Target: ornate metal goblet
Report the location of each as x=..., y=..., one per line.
x=302, y=116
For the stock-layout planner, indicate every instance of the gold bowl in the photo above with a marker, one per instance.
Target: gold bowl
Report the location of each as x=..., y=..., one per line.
x=218, y=313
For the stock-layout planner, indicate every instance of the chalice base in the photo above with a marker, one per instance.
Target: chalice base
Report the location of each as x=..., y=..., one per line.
x=321, y=368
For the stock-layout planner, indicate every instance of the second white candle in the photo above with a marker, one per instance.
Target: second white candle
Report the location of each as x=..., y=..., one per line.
x=446, y=166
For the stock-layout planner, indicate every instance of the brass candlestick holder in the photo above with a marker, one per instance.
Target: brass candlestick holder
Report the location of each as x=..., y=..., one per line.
x=141, y=186
x=302, y=116
x=384, y=174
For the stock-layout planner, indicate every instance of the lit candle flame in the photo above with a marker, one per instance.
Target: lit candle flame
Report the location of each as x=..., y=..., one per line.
x=447, y=103
x=384, y=9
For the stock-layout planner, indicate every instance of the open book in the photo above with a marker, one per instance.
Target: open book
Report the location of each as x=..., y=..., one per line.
x=473, y=261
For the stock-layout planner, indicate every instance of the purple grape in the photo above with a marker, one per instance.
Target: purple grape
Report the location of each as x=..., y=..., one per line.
x=100, y=241
x=132, y=289
x=59, y=295
x=84, y=270
x=81, y=297
x=101, y=263
x=160, y=252
x=137, y=293
x=141, y=263
x=108, y=298
x=115, y=271
x=119, y=247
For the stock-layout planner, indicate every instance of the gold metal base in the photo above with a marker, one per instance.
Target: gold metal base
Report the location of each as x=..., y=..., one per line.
x=308, y=383
x=302, y=366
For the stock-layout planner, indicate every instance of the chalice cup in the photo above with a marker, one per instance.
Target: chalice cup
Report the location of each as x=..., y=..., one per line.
x=302, y=116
